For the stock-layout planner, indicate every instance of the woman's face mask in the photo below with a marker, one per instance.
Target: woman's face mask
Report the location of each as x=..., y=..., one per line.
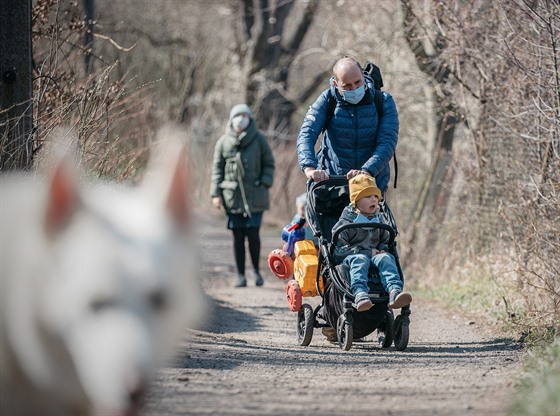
x=240, y=122
x=354, y=96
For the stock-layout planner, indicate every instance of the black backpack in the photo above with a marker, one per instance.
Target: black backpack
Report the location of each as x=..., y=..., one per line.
x=372, y=71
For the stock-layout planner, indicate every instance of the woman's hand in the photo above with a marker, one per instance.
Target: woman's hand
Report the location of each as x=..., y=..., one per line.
x=217, y=202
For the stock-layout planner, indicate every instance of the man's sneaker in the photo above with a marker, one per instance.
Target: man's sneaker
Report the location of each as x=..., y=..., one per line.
x=363, y=302
x=241, y=281
x=258, y=278
x=399, y=299
x=330, y=333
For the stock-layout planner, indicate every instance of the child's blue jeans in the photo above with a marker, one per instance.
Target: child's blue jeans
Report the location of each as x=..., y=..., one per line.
x=359, y=266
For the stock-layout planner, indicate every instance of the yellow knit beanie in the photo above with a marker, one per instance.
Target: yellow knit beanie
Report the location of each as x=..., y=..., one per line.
x=363, y=185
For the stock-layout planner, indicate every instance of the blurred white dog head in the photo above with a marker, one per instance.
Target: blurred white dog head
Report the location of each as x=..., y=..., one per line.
x=98, y=285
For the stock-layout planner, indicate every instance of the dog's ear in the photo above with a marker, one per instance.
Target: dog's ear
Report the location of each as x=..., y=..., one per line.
x=177, y=199
x=63, y=198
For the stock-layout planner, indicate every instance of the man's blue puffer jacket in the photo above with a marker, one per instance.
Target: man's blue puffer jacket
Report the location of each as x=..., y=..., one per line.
x=350, y=141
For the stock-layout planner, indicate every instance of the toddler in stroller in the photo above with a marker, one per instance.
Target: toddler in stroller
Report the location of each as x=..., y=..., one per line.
x=356, y=302
x=359, y=248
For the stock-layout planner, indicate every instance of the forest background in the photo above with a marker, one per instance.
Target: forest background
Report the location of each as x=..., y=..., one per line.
x=477, y=86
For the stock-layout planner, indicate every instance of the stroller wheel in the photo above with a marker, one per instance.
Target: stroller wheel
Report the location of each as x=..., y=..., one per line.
x=305, y=324
x=386, y=334
x=401, y=332
x=345, y=333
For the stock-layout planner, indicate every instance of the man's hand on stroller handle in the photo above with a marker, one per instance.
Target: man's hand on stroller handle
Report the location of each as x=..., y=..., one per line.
x=317, y=175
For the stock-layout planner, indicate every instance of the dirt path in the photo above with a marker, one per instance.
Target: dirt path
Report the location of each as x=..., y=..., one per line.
x=246, y=361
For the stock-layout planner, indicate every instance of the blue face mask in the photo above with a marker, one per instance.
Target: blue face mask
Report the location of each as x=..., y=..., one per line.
x=354, y=96
x=361, y=218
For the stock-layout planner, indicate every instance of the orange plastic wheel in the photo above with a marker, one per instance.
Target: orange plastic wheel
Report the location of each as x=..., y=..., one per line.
x=281, y=264
x=293, y=295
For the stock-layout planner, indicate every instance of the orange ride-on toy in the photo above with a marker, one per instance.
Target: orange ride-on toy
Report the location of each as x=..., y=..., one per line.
x=281, y=261
x=298, y=258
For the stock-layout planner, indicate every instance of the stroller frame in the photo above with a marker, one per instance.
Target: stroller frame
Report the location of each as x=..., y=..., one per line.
x=336, y=308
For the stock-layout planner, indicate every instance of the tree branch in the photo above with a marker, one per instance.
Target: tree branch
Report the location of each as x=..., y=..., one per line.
x=294, y=43
x=259, y=35
x=154, y=41
x=429, y=64
x=248, y=17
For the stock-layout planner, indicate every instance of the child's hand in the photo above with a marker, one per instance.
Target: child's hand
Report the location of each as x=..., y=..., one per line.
x=375, y=252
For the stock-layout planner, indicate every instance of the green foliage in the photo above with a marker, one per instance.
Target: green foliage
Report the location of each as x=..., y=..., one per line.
x=538, y=392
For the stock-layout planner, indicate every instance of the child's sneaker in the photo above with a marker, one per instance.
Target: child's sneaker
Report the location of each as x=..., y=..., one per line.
x=363, y=302
x=399, y=299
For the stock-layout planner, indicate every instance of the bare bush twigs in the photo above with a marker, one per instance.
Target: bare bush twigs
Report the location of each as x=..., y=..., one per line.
x=96, y=107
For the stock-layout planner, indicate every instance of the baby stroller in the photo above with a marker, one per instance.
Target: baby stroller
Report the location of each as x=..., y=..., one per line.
x=325, y=202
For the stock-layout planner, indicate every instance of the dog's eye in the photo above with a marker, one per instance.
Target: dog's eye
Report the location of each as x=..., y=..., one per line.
x=97, y=305
x=158, y=300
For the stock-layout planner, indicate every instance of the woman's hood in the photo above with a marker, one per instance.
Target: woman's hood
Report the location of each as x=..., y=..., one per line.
x=348, y=213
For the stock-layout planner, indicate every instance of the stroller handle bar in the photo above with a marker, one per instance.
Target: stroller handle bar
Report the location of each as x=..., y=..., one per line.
x=362, y=225
x=338, y=177
x=332, y=178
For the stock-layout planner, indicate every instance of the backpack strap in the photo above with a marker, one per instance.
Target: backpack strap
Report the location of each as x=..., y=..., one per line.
x=378, y=100
x=331, y=105
x=396, y=169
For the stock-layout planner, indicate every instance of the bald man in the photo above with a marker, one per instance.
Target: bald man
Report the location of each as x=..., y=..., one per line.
x=355, y=140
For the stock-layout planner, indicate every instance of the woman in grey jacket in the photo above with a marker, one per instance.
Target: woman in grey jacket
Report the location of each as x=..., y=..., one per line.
x=242, y=173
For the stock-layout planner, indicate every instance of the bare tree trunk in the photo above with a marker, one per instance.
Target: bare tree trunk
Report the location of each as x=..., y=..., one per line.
x=15, y=85
x=88, y=35
x=433, y=195
x=268, y=57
